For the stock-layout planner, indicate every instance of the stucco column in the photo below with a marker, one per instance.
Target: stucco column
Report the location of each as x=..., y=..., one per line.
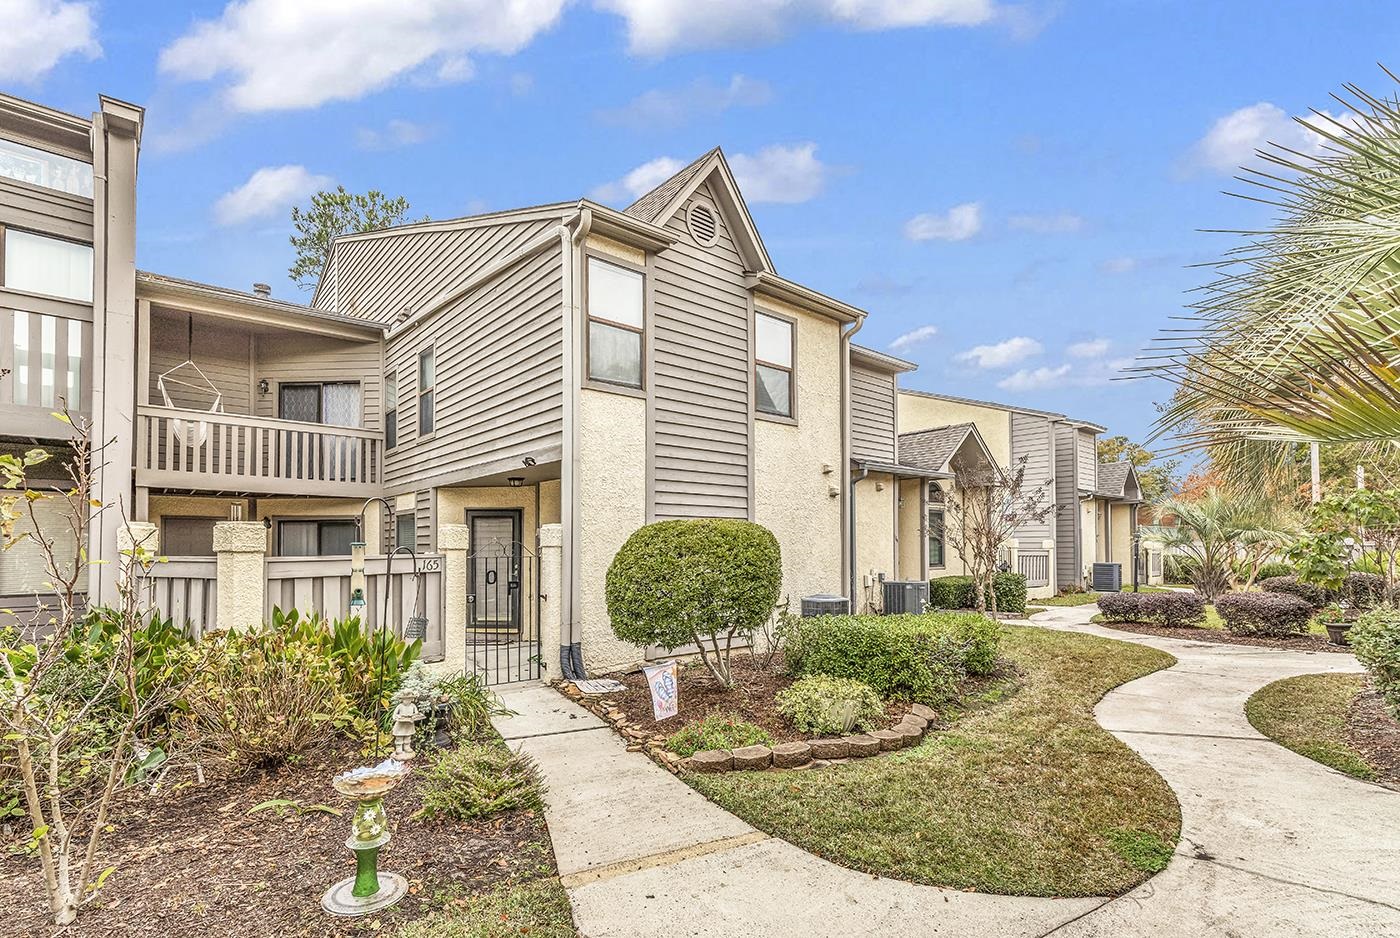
x=239, y=547
x=131, y=537
x=454, y=542
x=551, y=598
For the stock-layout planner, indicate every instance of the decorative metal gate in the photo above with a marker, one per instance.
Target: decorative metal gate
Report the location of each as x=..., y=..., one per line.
x=503, y=609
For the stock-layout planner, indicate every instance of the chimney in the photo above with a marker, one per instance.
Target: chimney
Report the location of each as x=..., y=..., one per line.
x=262, y=289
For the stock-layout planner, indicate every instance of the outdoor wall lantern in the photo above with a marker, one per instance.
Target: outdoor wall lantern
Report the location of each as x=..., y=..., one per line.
x=263, y=386
x=516, y=481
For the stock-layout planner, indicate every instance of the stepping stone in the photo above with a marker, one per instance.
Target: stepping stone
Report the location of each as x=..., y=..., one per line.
x=711, y=760
x=888, y=739
x=752, y=757
x=928, y=713
x=861, y=745
x=914, y=718
x=829, y=748
x=790, y=755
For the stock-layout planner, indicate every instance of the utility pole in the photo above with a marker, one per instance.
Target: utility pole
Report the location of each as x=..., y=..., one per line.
x=1316, y=473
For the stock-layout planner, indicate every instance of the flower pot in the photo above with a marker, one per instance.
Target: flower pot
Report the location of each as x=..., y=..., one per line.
x=1337, y=632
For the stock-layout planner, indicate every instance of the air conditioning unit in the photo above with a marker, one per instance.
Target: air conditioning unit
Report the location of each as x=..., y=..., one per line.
x=903, y=596
x=825, y=604
x=1106, y=577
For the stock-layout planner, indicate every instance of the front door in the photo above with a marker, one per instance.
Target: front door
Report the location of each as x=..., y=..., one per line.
x=494, y=582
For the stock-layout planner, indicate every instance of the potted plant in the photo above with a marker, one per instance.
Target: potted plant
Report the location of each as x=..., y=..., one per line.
x=1337, y=619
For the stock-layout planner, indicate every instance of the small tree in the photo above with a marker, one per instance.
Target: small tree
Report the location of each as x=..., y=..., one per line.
x=988, y=508
x=704, y=582
x=332, y=214
x=74, y=701
x=1218, y=528
x=1350, y=529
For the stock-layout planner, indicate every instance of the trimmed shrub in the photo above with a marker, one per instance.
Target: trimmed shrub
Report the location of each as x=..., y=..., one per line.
x=477, y=780
x=956, y=592
x=1276, y=614
x=1178, y=568
x=1168, y=609
x=717, y=731
x=901, y=657
x=676, y=582
x=1275, y=568
x=1376, y=640
x=1363, y=590
x=822, y=705
x=1315, y=596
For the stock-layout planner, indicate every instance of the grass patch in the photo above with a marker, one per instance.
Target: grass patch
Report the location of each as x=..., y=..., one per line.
x=1308, y=714
x=540, y=909
x=1020, y=796
x=1143, y=849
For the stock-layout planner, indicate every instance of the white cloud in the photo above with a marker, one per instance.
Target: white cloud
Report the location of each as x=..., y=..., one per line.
x=913, y=337
x=780, y=173
x=267, y=192
x=1009, y=352
x=957, y=224
x=662, y=108
x=278, y=56
x=1058, y=223
x=397, y=133
x=1035, y=379
x=40, y=33
x=655, y=27
x=1120, y=265
x=1233, y=139
x=773, y=174
x=1089, y=348
x=639, y=181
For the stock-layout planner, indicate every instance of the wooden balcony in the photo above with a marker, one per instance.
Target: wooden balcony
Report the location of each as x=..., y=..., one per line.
x=46, y=360
x=192, y=450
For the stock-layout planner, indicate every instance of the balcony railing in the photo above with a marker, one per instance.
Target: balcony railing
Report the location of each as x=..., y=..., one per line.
x=188, y=449
x=47, y=352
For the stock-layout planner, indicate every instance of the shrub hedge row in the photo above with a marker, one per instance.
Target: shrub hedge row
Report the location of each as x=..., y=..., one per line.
x=1274, y=613
x=1360, y=590
x=1169, y=609
x=904, y=657
x=956, y=592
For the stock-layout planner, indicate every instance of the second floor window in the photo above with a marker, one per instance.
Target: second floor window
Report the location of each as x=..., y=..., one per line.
x=331, y=402
x=426, y=376
x=615, y=301
x=773, y=356
x=51, y=266
x=405, y=529
x=391, y=410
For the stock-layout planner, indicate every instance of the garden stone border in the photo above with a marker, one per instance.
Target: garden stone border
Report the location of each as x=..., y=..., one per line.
x=909, y=731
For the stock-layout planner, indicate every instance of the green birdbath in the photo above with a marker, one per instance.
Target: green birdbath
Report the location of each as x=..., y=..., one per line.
x=368, y=890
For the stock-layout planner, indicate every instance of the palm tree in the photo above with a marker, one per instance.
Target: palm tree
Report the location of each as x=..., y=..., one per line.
x=1217, y=530
x=1299, y=337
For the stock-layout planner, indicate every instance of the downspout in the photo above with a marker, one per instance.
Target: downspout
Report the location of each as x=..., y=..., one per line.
x=848, y=517
x=571, y=235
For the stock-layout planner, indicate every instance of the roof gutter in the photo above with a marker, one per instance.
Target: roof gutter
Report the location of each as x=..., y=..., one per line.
x=570, y=234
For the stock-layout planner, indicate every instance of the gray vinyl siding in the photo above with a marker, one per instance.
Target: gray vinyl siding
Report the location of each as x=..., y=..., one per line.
x=424, y=517
x=223, y=354
x=379, y=278
x=1067, y=563
x=498, y=388
x=41, y=210
x=699, y=377
x=311, y=358
x=872, y=414
x=1088, y=459
x=1031, y=437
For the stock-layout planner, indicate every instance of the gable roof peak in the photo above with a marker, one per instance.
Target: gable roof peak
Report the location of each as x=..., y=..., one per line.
x=651, y=205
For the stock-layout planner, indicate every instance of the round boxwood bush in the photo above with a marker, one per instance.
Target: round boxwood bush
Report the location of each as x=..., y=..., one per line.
x=1376, y=640
x=822, y=705
x=677, y=582
x=1274, y=614
x=1316, y=596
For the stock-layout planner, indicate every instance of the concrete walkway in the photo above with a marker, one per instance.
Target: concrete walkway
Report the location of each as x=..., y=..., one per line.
x=1273, y=844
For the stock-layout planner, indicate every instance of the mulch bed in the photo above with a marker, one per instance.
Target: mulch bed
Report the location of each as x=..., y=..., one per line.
x=1222, y=637
x=1374, y=733
x=194, y=864
x=752, y=697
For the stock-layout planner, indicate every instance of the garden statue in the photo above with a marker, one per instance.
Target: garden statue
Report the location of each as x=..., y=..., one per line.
x=406, y=717
x=368, y=890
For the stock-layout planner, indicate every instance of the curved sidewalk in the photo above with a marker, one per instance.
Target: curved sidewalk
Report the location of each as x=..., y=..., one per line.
x=1273, y=844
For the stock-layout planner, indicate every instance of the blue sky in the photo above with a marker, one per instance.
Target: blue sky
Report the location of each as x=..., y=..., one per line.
x=1017, y=191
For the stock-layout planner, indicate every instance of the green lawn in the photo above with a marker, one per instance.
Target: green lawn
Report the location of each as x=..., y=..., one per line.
x=539, y=908
x=1308, y=714
x=1084, y=599
x=1025, y=794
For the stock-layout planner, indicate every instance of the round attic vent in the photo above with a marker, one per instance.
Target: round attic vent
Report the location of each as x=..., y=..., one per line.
x=704, y=226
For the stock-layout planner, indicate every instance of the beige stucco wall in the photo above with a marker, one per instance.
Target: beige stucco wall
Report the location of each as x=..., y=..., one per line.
x=549, y=502
x=793, y=496
x=1088, y=534
x=453, y=504
x=1122, y=529
x=612, y=504
x=923, y=413
x=199, y=506
x=875, y=546
x=911, y=528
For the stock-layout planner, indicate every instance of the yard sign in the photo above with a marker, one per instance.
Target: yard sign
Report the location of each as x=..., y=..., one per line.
x=665, y=695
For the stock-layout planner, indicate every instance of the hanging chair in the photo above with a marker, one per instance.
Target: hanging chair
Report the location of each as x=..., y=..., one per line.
x=190, y=376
